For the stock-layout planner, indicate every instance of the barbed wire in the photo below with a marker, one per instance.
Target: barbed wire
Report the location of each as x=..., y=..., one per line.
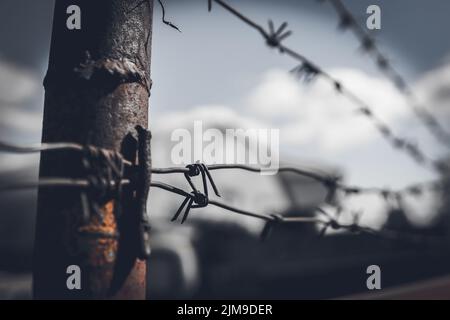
x=13, y=148
x=163, y=9
x=80, y=184
x=331, y=182
x=84, y=184
x=309, y=70
x=170, y=24
x=272, y=221
x=196, y=199
x=384, y=64
x=103, y=182
x=6, y=147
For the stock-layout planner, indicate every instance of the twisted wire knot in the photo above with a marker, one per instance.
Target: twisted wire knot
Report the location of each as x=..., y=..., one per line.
x=104, y=173
x=200, y=200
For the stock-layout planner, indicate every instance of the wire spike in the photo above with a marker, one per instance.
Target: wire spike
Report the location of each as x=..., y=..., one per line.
x=281, y=28
x=186, y=213
x=213, y=185
x=284, y=36
x=271, y=27
x=177, y=214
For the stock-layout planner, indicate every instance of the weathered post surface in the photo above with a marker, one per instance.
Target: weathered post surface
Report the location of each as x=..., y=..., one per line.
x=96, y=93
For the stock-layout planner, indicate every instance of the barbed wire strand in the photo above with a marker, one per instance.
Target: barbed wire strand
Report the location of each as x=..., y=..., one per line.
x=384, y=64
x=6, y=147
x=100, y=184
x=81, y=184
x=170, y=24
x=310, y=70
x=328, y=181
x=12, y=148
x=332, y=182
x=163, y=9
x=273, y=220
x=196, y=199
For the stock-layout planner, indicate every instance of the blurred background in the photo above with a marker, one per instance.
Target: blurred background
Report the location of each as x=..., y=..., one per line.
x=220, y=71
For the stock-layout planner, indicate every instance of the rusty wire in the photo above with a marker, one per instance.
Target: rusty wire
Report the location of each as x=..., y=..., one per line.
x=80, y=184
x=12, y=148
x=6, y=147
x=368, y=44
x=309, y=70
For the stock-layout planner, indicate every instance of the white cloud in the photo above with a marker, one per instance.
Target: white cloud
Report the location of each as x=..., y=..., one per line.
x=316, y=114
x=24, y=164
x=29, y=122
x=305, y=114
x=312, y=114
x=18, y=87
x=16, y=84
x=434, y=91
x=309, y=115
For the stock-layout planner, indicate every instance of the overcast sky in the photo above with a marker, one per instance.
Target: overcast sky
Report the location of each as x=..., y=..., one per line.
x=218, y=68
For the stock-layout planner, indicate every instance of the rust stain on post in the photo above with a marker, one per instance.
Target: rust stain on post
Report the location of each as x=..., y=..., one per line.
x=134, y=283
x=98, y=243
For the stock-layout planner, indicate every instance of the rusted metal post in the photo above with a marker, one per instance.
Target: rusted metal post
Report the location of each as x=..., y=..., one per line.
x=97, y=89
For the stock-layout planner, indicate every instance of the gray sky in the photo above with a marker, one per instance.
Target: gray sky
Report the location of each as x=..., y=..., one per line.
x=26, y=24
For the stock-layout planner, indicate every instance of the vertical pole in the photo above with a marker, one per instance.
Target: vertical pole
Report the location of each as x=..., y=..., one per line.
x=96, y=92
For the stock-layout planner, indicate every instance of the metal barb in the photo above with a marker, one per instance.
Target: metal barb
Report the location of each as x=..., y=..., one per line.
x=170, y=24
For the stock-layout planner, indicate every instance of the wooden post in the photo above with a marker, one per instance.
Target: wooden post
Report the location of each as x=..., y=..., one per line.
x=97, y=89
